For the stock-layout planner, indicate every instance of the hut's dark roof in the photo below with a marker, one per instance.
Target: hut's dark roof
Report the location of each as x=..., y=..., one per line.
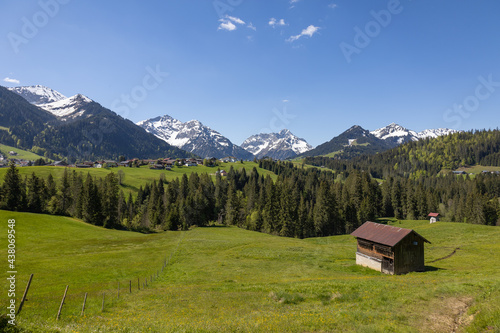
x=382, y=233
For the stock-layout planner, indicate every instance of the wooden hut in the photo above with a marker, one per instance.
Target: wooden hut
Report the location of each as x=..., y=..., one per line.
x=388, y=249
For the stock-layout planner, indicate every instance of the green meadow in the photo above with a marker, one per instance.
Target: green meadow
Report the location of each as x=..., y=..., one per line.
x=225, y=279
x=136, y=177
x=21, y=154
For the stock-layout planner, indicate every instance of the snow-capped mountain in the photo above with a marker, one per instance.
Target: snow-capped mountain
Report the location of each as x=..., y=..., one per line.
x=99, y=134
x=194, y=137
x=352, y=142
x=38, y=94
x=396, y=134
x=280, y=145
x=434, y=133
x=68, y=108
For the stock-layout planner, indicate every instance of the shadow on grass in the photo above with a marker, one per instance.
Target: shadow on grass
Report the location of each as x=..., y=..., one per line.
x=433, y=269
x=387, y=220
x=129, y=187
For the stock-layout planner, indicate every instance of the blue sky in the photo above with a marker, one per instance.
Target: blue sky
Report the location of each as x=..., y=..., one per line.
x=316, y=67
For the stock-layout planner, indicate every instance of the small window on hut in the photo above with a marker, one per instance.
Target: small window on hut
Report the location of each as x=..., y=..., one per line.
x=415, y=243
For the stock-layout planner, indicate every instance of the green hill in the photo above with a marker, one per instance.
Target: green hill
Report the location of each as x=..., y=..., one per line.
x=353, y=142
x=224, y=279
x=21, y=154
x=426, y=157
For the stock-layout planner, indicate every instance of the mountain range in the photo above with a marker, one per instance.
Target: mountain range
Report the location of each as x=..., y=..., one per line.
x=396, y=134
x=75, y=128
x=194, y=137
x=280, y=145
x=357, y=140
x=203, y=141
x=46, y=121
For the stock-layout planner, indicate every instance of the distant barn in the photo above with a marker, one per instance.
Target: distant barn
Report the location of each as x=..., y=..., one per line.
x=434, y=217
x=388, y=249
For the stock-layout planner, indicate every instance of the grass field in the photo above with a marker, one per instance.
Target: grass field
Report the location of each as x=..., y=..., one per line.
x=478, y=169
x=225, y=279
x=21, y=154
x=135, y=177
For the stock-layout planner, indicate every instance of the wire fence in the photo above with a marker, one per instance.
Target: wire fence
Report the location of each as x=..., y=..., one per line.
x=78, y=300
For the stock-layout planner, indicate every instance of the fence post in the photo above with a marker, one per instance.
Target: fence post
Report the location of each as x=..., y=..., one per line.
x=138, y=284
x=62, y=303
x=102, y=306
x=130, y=287
x=118, y=289
x=24, y=296
x=84, y=301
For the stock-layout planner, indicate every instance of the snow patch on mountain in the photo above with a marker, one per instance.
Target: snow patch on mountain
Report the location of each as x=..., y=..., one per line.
x=397, y=134
x=38, y=94
x=68, y=108
x=194, y=137
x=280, y=145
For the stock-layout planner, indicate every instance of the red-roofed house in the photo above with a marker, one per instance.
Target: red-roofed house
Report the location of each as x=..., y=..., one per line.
x=434, y=217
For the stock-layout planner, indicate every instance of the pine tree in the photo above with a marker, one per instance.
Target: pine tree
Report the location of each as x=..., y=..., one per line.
x=91, y=199
x=322, y=211
x=232, y=205
x=12, y=189
x=110, y=201
x=35, y=194
x=122, y=207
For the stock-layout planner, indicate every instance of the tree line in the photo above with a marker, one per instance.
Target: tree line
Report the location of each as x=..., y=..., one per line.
x=299, y=203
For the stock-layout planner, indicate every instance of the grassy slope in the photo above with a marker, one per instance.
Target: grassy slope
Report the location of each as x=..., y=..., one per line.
x=135, y=177
x=228, y=279
x=21, y=154
x=479, y=168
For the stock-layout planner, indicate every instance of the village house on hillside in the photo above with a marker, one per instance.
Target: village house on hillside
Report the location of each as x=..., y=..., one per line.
x=388, y=249
x=434, y=217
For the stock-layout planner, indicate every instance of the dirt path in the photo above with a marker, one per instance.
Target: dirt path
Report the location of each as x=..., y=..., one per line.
x=446, y=257
x=451, y=315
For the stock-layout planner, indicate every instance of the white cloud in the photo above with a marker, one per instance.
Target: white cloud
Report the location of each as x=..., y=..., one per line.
x=332, y=5
x=227, y=23
x=273, y=22
x=285, y=101
x=251, y=26
x=309, y=31
x=235, y=19
x=9, y=80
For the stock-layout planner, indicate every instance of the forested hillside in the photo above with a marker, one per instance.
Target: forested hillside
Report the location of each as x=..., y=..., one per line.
x=353, y=142
x=425, y=157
